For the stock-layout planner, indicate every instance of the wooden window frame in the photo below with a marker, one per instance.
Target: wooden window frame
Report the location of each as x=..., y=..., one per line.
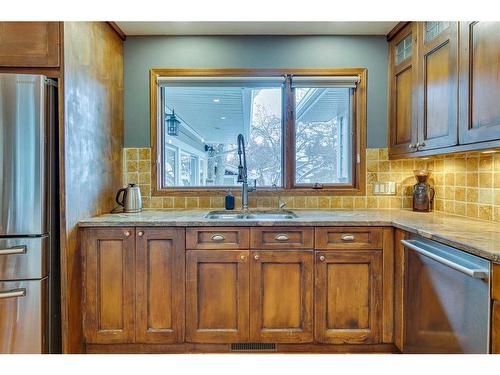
x=356, y=188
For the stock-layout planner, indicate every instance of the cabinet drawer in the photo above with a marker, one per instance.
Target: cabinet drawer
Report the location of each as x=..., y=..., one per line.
x=217, y=238
x=279, y=238
x=348, y=238
x=23, y=306
x=23, y=258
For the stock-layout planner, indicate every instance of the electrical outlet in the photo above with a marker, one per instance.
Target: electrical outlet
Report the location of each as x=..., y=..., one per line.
x=384, y=188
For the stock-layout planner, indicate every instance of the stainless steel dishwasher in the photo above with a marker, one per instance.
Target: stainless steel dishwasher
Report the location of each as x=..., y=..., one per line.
x=447, y=299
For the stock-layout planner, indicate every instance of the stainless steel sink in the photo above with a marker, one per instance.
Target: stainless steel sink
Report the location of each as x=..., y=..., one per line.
x=251, y=215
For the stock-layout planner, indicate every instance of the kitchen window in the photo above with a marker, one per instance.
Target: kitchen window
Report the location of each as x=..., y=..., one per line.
x=303, y=130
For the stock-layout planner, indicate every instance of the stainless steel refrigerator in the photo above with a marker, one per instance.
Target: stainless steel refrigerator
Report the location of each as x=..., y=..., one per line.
x=29, y=235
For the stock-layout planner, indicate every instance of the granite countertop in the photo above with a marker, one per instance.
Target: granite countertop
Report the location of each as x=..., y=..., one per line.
x=474, y=236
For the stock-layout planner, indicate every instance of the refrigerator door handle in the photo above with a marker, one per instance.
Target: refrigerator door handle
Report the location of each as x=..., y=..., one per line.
x=14, y=250
x=16, y=293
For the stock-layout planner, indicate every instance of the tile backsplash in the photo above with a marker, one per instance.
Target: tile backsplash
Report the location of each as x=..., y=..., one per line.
x=466, y=184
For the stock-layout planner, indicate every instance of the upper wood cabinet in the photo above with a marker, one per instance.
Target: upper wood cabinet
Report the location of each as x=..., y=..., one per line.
x=444, y=88
x=437, y=110
x=479, y=81
x=281, y=296
x=403, y=72
x=29, y=44
x=108, y=285
x=159, y=258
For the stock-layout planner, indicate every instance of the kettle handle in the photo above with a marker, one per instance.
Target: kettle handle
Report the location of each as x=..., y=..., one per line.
x=432, y=195
x=121, y=202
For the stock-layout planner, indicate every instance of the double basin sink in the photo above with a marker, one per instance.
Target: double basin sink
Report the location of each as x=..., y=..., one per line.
x=251, y=215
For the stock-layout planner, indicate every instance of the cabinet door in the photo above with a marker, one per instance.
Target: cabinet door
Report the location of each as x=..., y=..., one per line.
x=479, y=82
x=348, y=299
x=438, y=84
x=160, y=274
x=402, y=97
x=495, y=328
x=109, y=285
x=29, y=44
x=217, y=296
x=281, y=296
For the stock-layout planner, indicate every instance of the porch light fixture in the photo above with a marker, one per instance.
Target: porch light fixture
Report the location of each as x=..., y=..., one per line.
x=172, y=124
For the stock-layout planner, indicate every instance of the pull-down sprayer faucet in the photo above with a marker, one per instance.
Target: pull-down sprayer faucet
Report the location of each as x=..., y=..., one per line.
x=242, y=174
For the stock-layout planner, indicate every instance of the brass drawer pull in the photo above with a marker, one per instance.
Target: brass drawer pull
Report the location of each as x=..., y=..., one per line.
x=243, y=258
x=13, y=250
x=281, y=237
x=256, y=257
x=140, y=233
x=218, y=237
x=322, y=258
x=13, y=293
x=347, y=237
x=126, y=233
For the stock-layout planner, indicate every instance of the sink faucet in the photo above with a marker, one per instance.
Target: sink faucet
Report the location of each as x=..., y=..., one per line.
x=242, y=174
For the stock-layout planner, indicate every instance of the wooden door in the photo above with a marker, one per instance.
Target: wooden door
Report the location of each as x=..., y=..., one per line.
x=108, y=285
x=29, y=44
x=281, y=296
x=479, y=117
x=437, y=84
x=217, y=296
x=348, y=299
x=160, y=270
x=402, y=96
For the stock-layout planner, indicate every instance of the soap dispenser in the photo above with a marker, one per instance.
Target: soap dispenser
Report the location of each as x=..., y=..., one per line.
x=229, y=201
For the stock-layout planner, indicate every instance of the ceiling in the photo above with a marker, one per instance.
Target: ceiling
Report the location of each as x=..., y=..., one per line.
x=219, y=114
x=256, y=28
x=216, y=114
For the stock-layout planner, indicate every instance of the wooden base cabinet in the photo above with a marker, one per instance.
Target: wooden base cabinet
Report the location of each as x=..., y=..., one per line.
x=281, y=296
x=217, y=296
x=142, y=287
x=109, y=298
x=133, y=285
x=241, y=296
x=348, y=297
x=159, y=264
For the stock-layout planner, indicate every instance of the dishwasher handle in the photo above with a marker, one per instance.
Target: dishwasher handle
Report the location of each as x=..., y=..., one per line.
x=477, y=273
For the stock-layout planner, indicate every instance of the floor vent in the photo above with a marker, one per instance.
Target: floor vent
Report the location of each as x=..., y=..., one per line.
x=250, y=346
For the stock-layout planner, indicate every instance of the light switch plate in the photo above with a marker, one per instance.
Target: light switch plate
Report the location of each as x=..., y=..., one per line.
x=384, y=188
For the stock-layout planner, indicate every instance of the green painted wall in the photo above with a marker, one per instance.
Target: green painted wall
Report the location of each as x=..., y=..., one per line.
x=144, y=53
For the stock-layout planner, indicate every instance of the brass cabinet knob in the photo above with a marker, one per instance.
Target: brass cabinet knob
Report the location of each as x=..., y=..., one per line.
x=256, y=257
x=322, y=258
x=140, y=233
x=243, y=258
x=126, y=233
